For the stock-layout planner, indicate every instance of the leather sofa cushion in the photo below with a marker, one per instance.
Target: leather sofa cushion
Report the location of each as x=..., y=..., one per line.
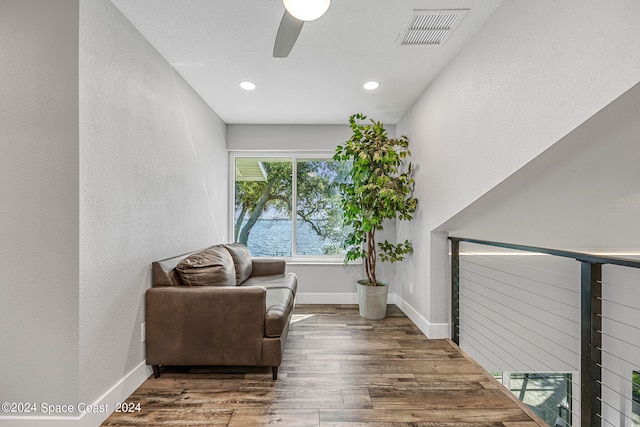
x=279, y=305
x=210, y=267
x=241, y=259
x=285, y=281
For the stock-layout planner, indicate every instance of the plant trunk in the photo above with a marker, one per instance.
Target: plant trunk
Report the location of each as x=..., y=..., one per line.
x=370, y=262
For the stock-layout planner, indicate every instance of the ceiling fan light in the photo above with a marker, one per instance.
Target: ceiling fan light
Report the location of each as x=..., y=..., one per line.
x=372, y=85
x=306, y=10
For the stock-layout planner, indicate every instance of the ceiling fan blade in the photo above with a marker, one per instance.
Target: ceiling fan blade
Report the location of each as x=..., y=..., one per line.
x=288, y=32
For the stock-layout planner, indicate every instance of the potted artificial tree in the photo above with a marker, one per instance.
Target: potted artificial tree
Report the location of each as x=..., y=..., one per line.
x=379, y=188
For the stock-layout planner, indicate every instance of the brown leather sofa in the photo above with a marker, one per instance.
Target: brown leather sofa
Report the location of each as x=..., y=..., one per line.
x=218, y=306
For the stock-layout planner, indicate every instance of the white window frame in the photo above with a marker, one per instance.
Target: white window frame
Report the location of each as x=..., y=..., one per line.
x=294, y=155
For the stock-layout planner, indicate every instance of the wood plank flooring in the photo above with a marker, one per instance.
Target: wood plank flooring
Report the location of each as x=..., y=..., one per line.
x=339, y=370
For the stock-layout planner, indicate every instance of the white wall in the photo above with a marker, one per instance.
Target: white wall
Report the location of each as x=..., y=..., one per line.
x=110, y=161
x=153, y=184
x=39, y=208
x=286, y=137
x=580, y=194
x=533, y=73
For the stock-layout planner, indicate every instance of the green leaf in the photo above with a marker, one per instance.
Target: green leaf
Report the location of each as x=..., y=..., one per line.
x=380, y=186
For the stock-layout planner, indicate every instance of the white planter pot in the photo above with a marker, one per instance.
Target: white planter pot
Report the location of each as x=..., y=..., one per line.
x=372, y=300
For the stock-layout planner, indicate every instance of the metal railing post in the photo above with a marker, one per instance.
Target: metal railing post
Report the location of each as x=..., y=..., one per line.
x=591, y=343
x=455, y=291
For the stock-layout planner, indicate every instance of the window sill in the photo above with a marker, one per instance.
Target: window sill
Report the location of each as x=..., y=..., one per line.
x=315, y=261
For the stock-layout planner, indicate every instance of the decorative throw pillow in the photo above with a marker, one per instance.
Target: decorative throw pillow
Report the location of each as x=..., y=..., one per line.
x=242, y=260
x=210, y=267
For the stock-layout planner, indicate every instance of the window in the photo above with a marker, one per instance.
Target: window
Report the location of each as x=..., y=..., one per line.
x=265, y=188
x=635, y=398
x=548, y=395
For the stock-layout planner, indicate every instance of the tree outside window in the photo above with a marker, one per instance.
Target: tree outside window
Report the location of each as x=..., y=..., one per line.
x=266, y=189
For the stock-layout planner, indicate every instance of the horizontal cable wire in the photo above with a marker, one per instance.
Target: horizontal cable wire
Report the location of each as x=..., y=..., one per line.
x=516, y=299
x=516, y=287
x=618, y=321
x=524, y=315
x=491, y=351
x=533, y=357
x=513, y=286
x=619, y=286
x=525, y=327
x=607, y=421
x=525, y=277
x=549, y=409
x=618, y=339
x=615, y=391
x=573, y=276
x=612, y=407
x=619, y=303
x=474, y=292
x=601, y=366
x=510, y=366
x=616, y=356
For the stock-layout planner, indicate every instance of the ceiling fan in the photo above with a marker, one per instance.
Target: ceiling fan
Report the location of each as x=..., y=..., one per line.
x=296, y=13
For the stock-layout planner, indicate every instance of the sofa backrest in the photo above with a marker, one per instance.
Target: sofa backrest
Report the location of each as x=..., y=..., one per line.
x=241, y=260
x=163, y=272
x=213, y=266
x=218, y=265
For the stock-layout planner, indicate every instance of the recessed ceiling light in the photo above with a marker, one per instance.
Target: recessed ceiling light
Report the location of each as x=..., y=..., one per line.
x=371, y=85
x=247, y=85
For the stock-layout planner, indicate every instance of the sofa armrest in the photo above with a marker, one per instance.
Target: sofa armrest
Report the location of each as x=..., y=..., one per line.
x=267, y=266
x=205, y=325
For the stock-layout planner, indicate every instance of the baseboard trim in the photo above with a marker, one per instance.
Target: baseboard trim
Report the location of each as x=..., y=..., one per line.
x=116, y=394
x=36, y=421
x=432, y=330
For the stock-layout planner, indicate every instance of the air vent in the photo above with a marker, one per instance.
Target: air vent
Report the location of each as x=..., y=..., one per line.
x=432, y=27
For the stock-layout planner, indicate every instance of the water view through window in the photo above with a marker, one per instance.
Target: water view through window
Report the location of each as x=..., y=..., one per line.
x=265, y=191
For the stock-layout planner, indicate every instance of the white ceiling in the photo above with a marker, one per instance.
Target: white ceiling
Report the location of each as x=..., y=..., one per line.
x=215, y=44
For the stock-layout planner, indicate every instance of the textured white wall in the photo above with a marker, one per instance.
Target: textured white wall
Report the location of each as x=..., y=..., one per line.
x=153, y=184
x=580, y=194
x=286, y=137
x=534, y=72
x=39, y=208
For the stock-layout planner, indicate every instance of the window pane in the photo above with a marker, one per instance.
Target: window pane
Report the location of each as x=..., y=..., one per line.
x=319, y=229
x=262, y=218
x=548, y=395
x=635, y=401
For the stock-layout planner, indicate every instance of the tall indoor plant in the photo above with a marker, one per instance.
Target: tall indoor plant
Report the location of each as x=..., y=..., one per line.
x=380, y=187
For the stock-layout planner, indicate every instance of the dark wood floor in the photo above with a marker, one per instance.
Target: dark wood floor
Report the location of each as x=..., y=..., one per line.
x=339, y=370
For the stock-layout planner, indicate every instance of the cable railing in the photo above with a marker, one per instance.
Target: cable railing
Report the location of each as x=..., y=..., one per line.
x=560, y=328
